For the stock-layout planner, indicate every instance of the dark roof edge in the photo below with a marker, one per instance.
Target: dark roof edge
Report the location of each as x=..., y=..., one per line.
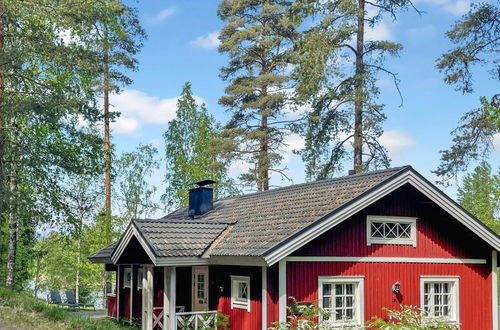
x=339, y=208
x=455, y=203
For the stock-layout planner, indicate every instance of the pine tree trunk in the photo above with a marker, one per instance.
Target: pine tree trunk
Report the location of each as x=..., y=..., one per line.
x=13, y=228
x=359, y=92
x=263, y=177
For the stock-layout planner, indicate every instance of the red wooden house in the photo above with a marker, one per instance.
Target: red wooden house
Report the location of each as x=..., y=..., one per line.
x=353, y=244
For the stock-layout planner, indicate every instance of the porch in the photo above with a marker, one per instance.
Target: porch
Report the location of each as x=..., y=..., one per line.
x=148, y=295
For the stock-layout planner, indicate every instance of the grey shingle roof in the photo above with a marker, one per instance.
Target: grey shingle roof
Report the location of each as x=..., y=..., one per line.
x=263, y=220
x=179, y=238
x=104, y=254
x=250, y=225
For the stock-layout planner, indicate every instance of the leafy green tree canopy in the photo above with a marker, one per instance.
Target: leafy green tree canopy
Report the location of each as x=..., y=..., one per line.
x=189, y=155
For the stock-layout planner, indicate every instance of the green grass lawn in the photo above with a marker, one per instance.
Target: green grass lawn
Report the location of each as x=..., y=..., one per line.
x=22, y=311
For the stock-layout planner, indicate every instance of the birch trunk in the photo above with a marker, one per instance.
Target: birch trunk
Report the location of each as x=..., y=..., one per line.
x=13, y=228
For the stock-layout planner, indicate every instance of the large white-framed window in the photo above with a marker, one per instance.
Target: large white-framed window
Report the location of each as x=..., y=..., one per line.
x=342, y=298
x=240, y=292
x=439, y=297
x=391, y=230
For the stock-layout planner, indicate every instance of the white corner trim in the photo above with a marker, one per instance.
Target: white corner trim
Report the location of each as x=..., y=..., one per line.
x=387, y=259
x=494, y=289
x=264, y=298
x=282, y=298
x=127, y=236
x=455, y=293
x=359, y=299
x=412, y=221
x=409, y=176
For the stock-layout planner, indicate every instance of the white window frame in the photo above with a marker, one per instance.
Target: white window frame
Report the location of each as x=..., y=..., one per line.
x=359, y=310
x=237, y=302
x=455, y=301
x=127, y=277
x=399, y=241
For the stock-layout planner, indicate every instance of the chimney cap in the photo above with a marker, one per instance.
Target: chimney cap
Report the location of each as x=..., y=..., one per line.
x=204, y=183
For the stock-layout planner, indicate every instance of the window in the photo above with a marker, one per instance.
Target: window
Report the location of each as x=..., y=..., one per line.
x=342, y=299
x=240, y=292
x=439, y=297
x=127, y=277
x=140, y=274
x=391, y=230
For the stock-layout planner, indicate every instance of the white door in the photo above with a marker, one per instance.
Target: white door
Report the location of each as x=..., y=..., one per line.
x=200, y=289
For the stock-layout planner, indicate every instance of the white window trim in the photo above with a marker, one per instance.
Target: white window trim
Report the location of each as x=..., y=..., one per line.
x=235, y=302
x=455, y=293
x=399, y=241
x=360, y=293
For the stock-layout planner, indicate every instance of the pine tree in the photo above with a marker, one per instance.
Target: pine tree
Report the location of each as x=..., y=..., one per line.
x=480, y=195
x=257, y=37
x=189, y=158
x=337, y=79
x=476, y=40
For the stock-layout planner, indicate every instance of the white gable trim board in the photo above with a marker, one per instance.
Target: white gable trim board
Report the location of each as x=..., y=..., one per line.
x=127, y=236
x=408, y=176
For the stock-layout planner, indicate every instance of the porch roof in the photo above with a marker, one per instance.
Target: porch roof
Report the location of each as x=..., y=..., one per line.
x=104, y=254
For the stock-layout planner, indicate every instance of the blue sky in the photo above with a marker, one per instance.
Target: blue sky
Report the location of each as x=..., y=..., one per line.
x=182, y=47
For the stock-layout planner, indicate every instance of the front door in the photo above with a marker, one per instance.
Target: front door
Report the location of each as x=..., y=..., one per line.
x=200, y=288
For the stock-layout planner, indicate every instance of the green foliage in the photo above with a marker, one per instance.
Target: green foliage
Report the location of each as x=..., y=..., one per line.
x=480, y=195
x=475, y=37
x=134, y=192
x=409, y=317
x=188, y=152
x=258, y=37
x=301, y=317
x=337, y=81
x=29, y=304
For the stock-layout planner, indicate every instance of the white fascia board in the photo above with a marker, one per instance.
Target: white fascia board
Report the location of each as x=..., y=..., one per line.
x=214, y=260
x=387, y=259
x=409, y=176
x=127, y=236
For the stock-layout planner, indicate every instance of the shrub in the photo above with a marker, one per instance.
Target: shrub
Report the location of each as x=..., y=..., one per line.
x=409, y=317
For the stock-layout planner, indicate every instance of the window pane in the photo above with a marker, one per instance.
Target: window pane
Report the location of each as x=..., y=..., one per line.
x=390, y=230
x=349, y=301
x=348, y=288
x=327, y=289
x=339, y=289
x=242, y=290
x=339, y=302
x=327, y=302
x=338, y=314
x=377, y=229
x=349, y=313
x=404, y=230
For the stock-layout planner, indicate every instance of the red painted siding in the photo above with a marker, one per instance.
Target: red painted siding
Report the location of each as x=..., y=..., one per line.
x=111, y=306
x=474, y=285
x=272, y=295
x=219, y=276
x=438, y=234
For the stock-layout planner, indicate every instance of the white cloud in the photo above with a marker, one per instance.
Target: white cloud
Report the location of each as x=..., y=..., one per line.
x=209, y=41
x=157, y=143
x=162, y=15
x=124, y=125
x=396, y=142
x=138, y=108
x=454, y=7
x=292, y=142
x=381, y=31
x=496, y=141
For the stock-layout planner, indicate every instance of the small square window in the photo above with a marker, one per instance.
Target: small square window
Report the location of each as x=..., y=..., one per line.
x=391, y=230
x=240, y=292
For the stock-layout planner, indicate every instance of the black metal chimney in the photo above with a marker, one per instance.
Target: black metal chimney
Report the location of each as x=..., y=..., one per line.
x=201, y=198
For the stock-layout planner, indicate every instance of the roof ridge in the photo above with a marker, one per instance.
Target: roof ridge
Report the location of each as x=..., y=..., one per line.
x=339, y=178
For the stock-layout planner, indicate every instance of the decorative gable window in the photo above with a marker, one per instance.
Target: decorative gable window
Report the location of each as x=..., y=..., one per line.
x=240, y=292
x=439, y=297
x=391, y=230
x=342, y=300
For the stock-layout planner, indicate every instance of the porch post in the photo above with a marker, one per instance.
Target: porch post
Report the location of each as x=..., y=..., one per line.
x=282, y=291
x=172, y=298
x=118, y=286
x=147, y=298
x=131, y=291
x=264, y=298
